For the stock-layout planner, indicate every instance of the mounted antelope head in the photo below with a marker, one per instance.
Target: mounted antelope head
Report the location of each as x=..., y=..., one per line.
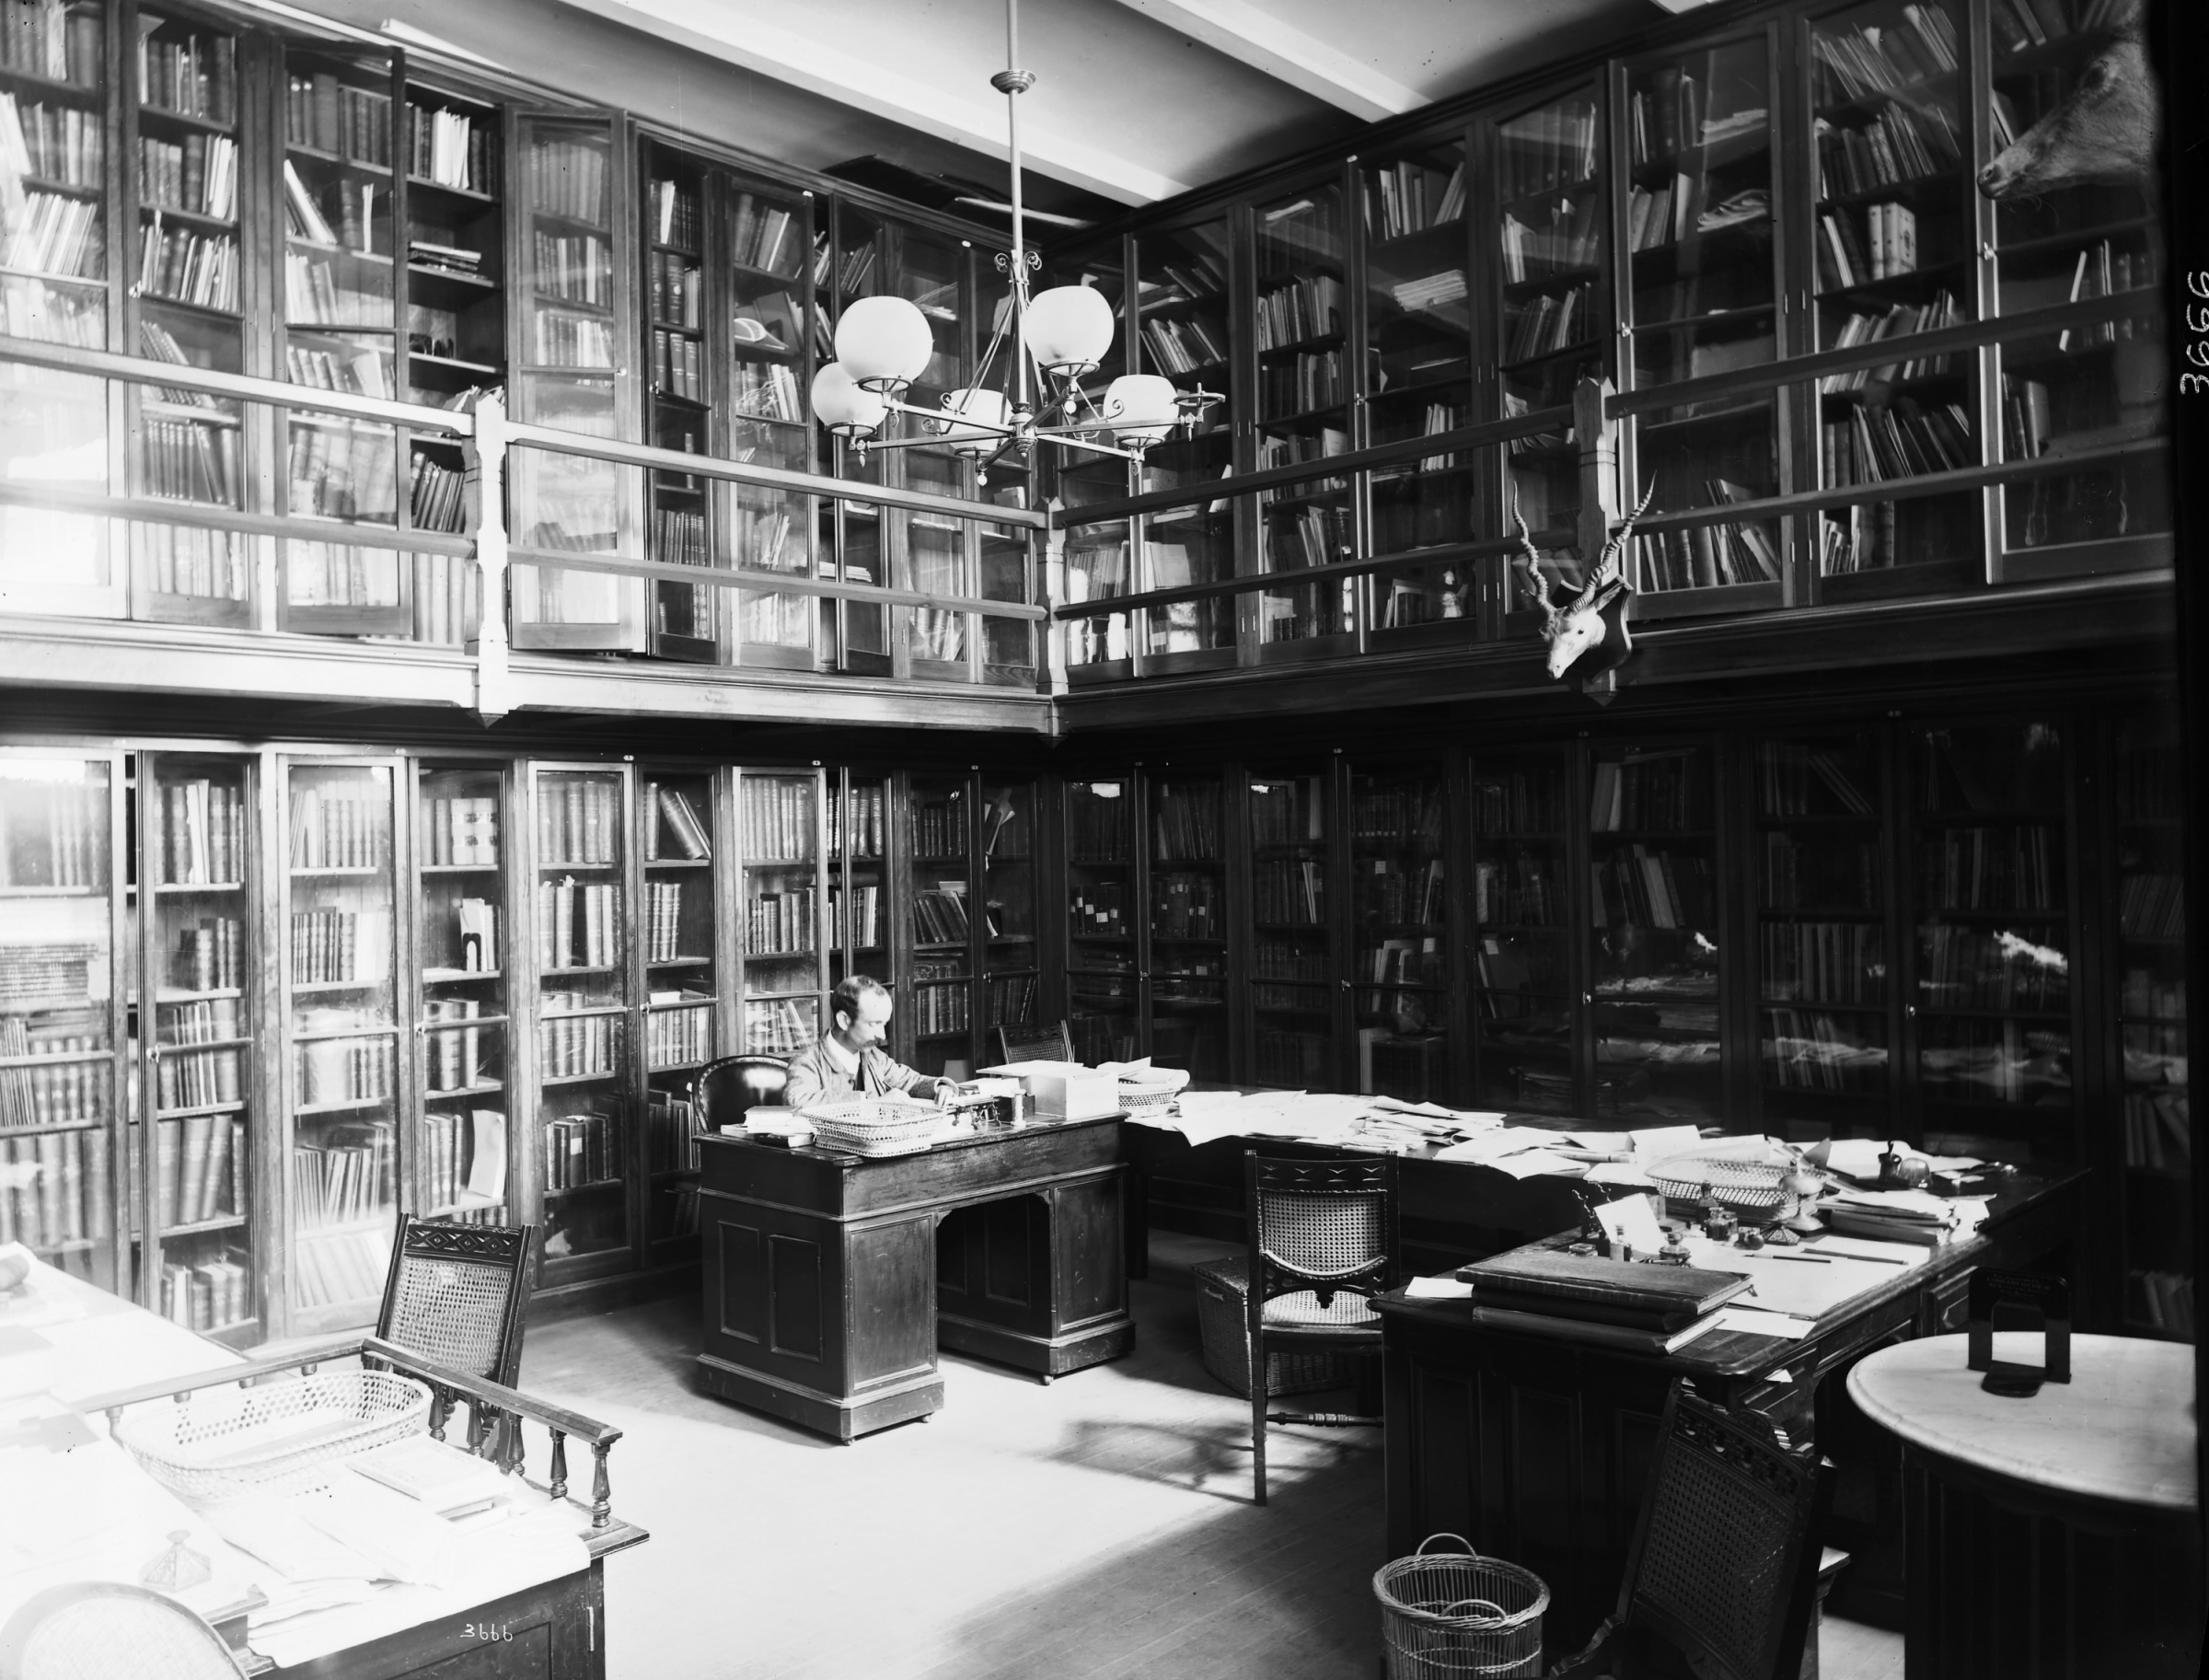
x=1591, y=624
x=2103, y=130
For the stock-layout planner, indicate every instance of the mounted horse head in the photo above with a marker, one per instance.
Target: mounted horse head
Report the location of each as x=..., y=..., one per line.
x=1590, y=625
x=2103, y=130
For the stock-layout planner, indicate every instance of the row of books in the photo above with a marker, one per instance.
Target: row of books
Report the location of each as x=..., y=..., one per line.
x=575, y=267
x=452, y=1057
x=678, y=365
x=54, y=834
x=1824, y=962
x=678, y=1037
x=1291, y=891
x=342, y=1072
x=341, y=1265
x=1830, y=873
x=1392, y=893
x=1186, y=904
x=1708, y=556
x=578, y=821
x=1960, y=777
x=570, y=340
x=1965, y=969
x=1549, y=322
x=1098, y=910
x=1298, y=234
x=339, y=824
x=1667, y=215
x=1013, y=999
x=186, y=266
x=572, y=1046
x=1845, y=261
x=764, y=391
x=1813, y=1050
x=782, y=923
x=325, y=945
x=340, y=575
x=2151, y=905
x=1402, y=817
x=2019, y=24
x=2141, y=993
x=1186, y=822
x=674, y=289
x=940, y=1001
x=768, y=541
x=1853, y=62
x=671, y=1134
x=47, y=973
x=464, y=1158
x=776, y=819
x=59, y=39
x=1653, y=887
x=199, y=832
x=198, y=174
x=178, y=559
x=582, y=1149
x=675, y=828
x=188, y=461
x=664, y=921
x=317, y=293
x=1547, y=150
x=53, y=1189
x=851, y=274
x=856, y=917
x=207, y=1293
x=1519, y=891
x=327, y=115
x=1518, y=802
x=202, y=1168
x=1306, y=308
x=1288, y=811
x=203, y=1021
x=68, y=1094
x=1291, y=1059
x=2158, y=1130
x=436, y=498
x=1314, y=380
x=191, y=75
x=55, y=142
x=2013, y=867
x=1570, y=240
x=1901, y=143
x=1096, y=823
x=940, y=915
x=1672, y=114
x=763, y=236
x=49, y=234
x=1185, y=345
x=567, y=178
x=1897, y=322
x=579, y=924
x=1871, y=446
x=678, y=538
x=450, y=147
x=778, y=1026
x=1656, y=790
x=197, y=1079
x=348, y=1174
x=1409, y=197
x=672, y=210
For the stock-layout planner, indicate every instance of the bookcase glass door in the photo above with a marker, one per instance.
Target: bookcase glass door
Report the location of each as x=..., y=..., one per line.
x=341, y=332
x=682, y=996
x=1992, y=952
x=681, y=385
x=572, y=374
x=1012, y=970
x=1104, y=997
x=1701, y=292
x=937, y=1005
x=846, y=266
x=769, y=361
x=1893, y=253
x=464, y=1158
x=859, y=904
x=1298, y=328
x=2088, y=387
x=1184, y=330
x=339, y=946
x=1418, y=376
x=192, y=1147
x=58, y=1011
x=586, y=988
x=779, y=898
x=1188, y=923
x=939, y=558
x=1653, y=938
x=1823, y=1001
x=1400, y=906
x=1523, y=917
x=2150, y=973
x=1292, y=969
x=1103, y=646
x=53, y=99
x=187, y=307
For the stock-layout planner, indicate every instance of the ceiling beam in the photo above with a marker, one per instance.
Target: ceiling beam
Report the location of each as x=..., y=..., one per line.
x=1251, y=35
x=974, y=119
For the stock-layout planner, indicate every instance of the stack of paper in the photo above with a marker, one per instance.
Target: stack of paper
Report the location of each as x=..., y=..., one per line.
x=1905, y=1216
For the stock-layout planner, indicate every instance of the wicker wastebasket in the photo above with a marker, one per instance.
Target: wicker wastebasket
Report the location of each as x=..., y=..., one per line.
x=1453, y=1615
x=1222, y=1321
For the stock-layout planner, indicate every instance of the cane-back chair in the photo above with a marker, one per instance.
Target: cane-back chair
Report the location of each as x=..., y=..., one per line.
x=458, y=1294
x=102, y=1629
x=1053, y=1041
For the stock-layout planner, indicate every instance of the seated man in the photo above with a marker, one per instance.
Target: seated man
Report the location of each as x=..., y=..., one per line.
x=848, y=1059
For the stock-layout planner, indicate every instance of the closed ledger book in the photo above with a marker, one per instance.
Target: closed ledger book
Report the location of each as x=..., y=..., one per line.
x=1647, y=1306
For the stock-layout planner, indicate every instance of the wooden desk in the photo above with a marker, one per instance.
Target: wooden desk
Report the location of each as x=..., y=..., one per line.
x=2055, y=1535
x=831, y=1280
x=1537, y=1450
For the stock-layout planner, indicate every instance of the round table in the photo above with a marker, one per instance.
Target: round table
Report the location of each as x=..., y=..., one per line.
x=2051, y=1535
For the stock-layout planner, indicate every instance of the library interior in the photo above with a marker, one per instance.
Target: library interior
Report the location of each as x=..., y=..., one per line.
x=1398, y=794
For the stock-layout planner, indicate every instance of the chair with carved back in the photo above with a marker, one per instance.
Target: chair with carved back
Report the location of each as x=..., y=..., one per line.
x=102, y=1629
x=1725, y=1562
x=723, y=1091
x=458, y=1294
x=1322, y=1244
x=1051, y=1042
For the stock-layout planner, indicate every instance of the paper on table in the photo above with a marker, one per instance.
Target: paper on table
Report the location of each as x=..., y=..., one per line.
x=1630, y=1220
x=1539, y=1161
x=1609, y=1143
x=1786, y=1281
x=1869, y=1248
x=1438, y=1288
x=1656, y=1142
x=1621, y=1174
x=1492, y=1146
x=1392, y=1105
x=1784, y=1325
x=1858, y=1157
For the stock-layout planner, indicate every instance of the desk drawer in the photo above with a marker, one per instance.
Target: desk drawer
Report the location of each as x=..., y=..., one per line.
x=1947, y=1304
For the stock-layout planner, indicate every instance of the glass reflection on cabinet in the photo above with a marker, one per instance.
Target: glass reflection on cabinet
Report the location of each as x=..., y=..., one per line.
x=1521, y=914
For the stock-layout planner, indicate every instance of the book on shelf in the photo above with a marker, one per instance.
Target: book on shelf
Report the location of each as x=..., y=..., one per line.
x=326, y=115
x=70, y=1092
x=463, y=260
x=671, y=1134
x=54, y=834
x=2158, y=1130
x=199, y=832
x=778, y=1026
x=676, y=817
x=777, y=818
x=327, y=1072
x=579, y=924
x=449, y=148
x=54, y=143
x=47, y=233
x=1544, y=150
x=340, y=1266
x=582, y=1149
x=1570, y=239
x=575, y=268
x=764, y=391
x=58, y=39
x=1901, y=143
x=1856, y=62
x=201, y=1165
x=567, y=178
x=193, y=77
x=678, y=365
x=337, y=823
x=664, y=923
x=2019, y=24
x=437, y=497
x=464, y=1153
x=1409, y=197
x=578, y=821
x=317, y=293
x=674, y=212
x=325, y=945
x=675, y=291
x=188, y=461
x=198, y=173
x=453, y=1061
x=763, y=236
x=572, y=1045
x=206, y=1295
x=677, y=1036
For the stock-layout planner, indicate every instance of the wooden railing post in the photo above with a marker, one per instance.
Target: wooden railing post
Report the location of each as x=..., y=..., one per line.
x=485, y=454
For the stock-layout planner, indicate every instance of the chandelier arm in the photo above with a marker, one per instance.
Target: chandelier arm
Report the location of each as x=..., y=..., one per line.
x=1014, y=83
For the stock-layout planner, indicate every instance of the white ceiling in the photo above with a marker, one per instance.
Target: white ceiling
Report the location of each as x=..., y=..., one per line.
x=1135, y=101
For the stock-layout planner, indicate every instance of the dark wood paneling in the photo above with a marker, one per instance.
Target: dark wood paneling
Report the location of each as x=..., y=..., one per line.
x=793, y=1297
x=740, y=1292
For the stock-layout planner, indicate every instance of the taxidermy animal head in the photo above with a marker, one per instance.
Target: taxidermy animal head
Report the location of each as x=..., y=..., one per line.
x=2103, y=130
x=1587, y=633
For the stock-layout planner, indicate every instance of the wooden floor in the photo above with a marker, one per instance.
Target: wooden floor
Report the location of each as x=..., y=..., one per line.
x=1095, y=1529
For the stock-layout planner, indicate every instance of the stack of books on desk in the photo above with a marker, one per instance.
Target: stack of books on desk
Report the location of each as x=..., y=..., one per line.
x=1635, y=1305
x=1903, y=1216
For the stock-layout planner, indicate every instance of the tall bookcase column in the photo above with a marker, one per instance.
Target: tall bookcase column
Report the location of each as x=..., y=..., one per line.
x=1404, y=1005
x=63, y=1000
x=1295, y=968
x=1188, y=921
x=586, y=1162
x=1010, y=883
x=200, y=1097
x=847, y=265
x=463, y=1152
x=1697, y=272
x=938, y=1002
x=684, y=1006
x=681, y=384
x=1106, y=1007
x=859, y=890
x=930, y=553
x=782, y=900
x=573, y=360
x=1525, y=970
x=344, y=1062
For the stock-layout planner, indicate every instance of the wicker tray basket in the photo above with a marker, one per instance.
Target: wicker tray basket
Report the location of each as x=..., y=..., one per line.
x=1156, y=1089
x=1754, y=1191
x=870, y=1125
x=224, y=1441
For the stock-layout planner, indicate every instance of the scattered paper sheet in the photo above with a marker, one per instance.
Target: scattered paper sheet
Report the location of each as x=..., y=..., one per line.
x=1791, y=1280
x=1490, y=1147
x=1438, y=1288
x=1781, y=1325
x=1630, y=1220
x=1656, y=1142
x=1609, y=1143
x=1621, y=1175
x=1539, y=1161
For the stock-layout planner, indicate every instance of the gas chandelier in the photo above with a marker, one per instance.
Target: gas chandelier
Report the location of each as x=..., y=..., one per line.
x=883, y=344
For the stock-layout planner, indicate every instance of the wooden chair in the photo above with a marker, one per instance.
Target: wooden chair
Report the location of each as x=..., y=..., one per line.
x=100, y=1630
x=458, y=1294
x=1030, y=1043
x=723, y=1091
x=1322, y=1244
x=1726, y=1556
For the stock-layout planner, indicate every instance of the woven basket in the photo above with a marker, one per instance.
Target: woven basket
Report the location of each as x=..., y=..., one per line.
x=224, y=1441
x=869, y=1126
x=1223, y=1322
x=1460, y=1615
x=1753, y=1191
x=1155, y=1089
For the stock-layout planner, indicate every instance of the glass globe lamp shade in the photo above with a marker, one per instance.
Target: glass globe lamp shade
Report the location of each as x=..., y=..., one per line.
x=990, y=407
x=1067, y=329
x=842, y=406
x=1141, y=408
x=884, y=342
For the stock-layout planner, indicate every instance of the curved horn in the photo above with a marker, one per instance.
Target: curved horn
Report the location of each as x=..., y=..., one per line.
x=1617, y=546
x=1530, y=561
